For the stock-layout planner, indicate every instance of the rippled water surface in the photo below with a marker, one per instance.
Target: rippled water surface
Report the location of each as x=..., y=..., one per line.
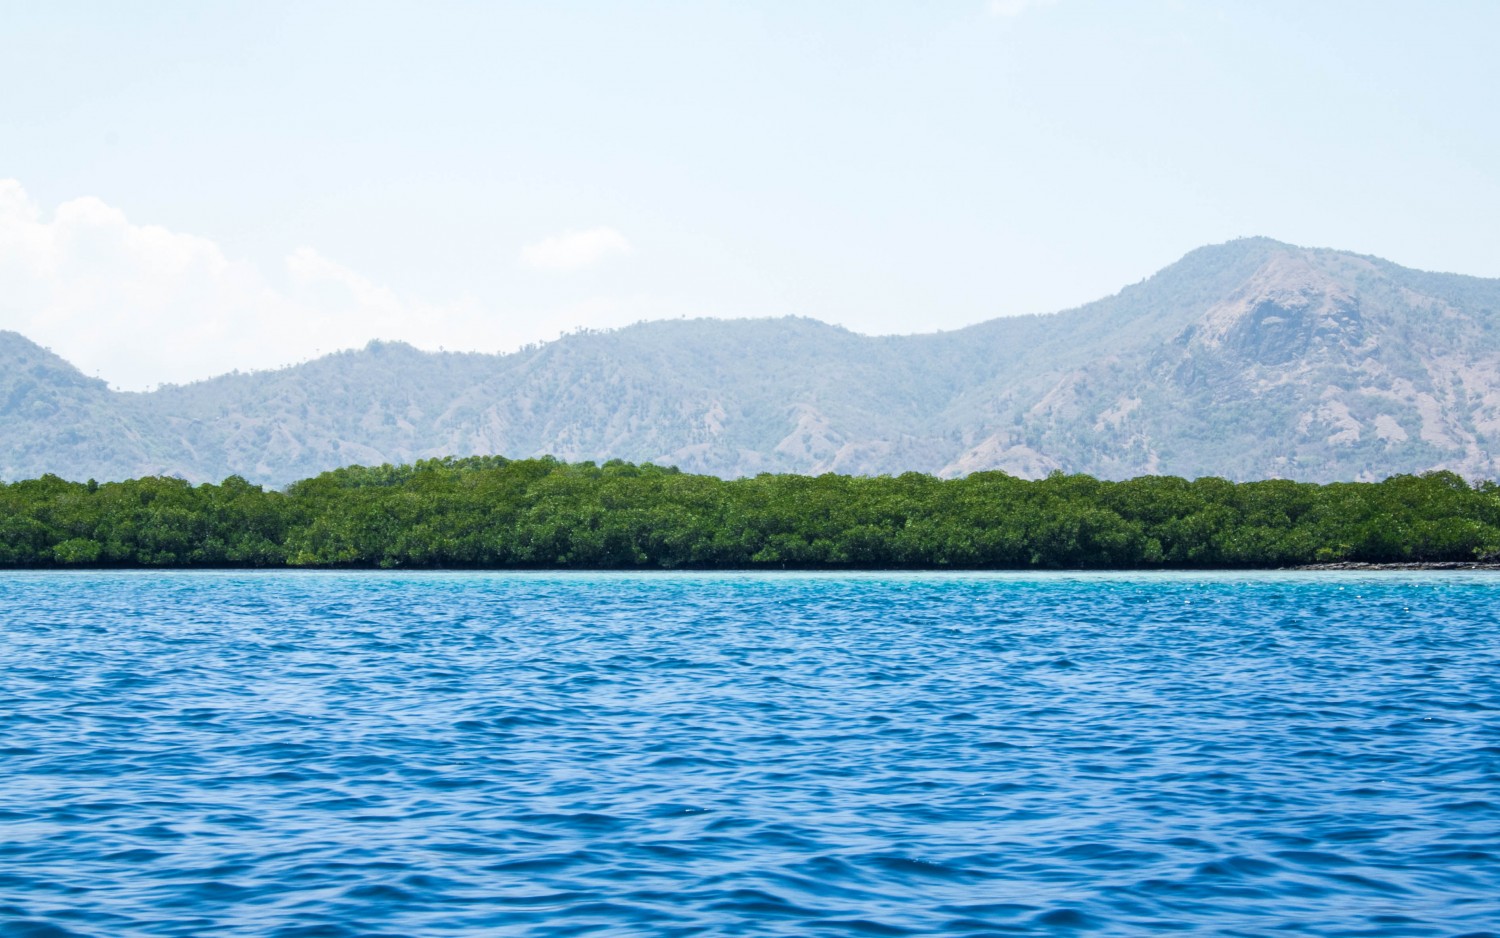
x=465, y=754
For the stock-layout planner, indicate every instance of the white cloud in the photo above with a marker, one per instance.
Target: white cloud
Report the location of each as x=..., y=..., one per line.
x=140, y=305
x=574, y=249
x=1009, y=8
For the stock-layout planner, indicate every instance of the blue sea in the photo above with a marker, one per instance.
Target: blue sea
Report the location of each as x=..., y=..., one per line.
x=414, y=754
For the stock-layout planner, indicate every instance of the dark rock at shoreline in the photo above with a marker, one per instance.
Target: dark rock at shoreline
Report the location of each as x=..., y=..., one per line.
x=1447, y=565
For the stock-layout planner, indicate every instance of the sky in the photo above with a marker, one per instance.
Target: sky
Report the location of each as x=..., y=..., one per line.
x=190, y=188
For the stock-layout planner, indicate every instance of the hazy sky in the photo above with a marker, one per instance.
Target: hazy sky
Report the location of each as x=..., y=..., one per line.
x=194, y=187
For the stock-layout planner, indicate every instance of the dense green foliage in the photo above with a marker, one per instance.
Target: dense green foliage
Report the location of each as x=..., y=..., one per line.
x=495, y=512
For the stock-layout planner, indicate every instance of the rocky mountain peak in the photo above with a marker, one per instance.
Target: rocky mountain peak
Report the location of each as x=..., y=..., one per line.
x=1290, y=309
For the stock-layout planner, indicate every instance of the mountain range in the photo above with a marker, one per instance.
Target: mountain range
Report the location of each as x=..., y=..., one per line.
x=1249, y=359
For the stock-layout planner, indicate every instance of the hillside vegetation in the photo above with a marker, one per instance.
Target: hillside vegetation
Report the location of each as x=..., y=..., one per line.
x=494, y=512
x=1252, y=359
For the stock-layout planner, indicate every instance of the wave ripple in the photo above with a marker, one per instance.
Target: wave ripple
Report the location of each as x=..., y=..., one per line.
x=441, y=754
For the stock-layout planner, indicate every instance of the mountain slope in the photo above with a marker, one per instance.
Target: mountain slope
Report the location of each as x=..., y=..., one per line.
x=1320, y=365
x=1247, y=359
x=53, y=418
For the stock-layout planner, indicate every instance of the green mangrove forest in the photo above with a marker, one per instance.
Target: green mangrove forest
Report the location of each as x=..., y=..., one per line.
x=497, y=512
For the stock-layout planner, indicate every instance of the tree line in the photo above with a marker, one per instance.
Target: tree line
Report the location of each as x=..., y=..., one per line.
x=491, y=511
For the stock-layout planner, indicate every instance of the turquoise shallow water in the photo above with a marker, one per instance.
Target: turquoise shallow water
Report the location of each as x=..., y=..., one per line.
x=676, y=754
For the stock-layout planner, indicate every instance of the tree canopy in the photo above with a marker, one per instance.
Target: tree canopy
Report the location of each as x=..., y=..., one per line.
x=495, y=512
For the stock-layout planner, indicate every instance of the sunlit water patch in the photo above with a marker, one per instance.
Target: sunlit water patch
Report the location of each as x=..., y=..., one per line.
x=677, y=754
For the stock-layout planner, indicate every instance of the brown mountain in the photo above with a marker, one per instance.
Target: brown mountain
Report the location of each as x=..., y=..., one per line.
x=1247, y=359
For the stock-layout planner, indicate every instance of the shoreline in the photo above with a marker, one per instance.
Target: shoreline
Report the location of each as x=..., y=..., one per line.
x=1414, y=565
x=1350, y=566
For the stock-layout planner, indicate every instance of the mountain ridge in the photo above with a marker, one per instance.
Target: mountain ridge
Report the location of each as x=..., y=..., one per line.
x=1246, y=359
